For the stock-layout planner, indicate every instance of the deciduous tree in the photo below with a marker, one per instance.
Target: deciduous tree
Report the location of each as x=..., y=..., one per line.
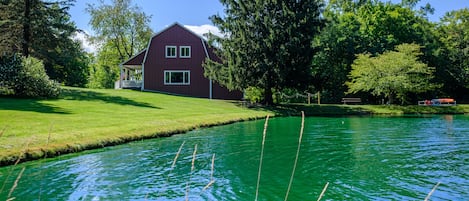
x=121, y=30
x=368, y=26
x=393, y=74
x=453, y=31
x=126, y=26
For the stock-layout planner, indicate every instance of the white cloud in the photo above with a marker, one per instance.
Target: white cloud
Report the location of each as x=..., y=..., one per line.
x=203, y=29
x=85, y=42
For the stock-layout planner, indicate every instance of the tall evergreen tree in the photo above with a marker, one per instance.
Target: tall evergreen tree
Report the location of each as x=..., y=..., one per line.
x=267, y=44
x=43, y=29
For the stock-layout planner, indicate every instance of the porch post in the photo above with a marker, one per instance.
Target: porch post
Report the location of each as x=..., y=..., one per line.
x=143, y=77
x=120, y=76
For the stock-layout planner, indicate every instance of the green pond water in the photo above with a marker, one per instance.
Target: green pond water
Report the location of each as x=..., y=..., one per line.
x=362, y=158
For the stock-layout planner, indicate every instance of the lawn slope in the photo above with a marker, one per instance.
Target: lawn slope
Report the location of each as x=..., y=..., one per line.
x=86, y=118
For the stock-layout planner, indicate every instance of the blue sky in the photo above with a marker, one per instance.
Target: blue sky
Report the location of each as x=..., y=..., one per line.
x=163, y=12
x=195, y=13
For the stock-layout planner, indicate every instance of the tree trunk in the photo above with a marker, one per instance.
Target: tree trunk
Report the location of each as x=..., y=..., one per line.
x=319, y=97
x=268, y=100
x=26, y=28
x=390, y=99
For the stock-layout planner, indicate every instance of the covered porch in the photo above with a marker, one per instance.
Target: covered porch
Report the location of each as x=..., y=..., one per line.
x=131, y=72
x=131, y=77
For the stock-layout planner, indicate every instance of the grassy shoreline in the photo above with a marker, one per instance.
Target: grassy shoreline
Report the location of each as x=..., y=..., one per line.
x=84, y=119
x=393, y=110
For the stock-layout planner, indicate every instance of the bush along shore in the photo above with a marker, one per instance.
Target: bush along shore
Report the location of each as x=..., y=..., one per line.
x=83, y=119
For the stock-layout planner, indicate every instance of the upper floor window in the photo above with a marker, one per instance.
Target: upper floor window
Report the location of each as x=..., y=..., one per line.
x=185, y=51
x=171, y=51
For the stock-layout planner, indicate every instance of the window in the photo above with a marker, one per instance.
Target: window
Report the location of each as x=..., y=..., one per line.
x=185, y=51
x=177, y=77
x=170, y=51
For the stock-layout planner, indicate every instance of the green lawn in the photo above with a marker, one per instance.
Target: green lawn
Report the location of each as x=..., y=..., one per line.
x=85, y=118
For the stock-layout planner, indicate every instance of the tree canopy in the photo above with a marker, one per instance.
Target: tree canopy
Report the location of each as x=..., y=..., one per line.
x=125, y=26
x=368, y=26
x=43, y=29
x=393, y=74
x=453, y=32
x=121, y=30
x=267, y=44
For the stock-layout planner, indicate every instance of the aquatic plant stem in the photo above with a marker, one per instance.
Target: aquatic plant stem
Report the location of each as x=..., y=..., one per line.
x=171, y=169
x=211, y=175
x=14, y=165
x=213, y=167
x=432, y=191
x=176, y=158
x=15, y=184
x=323, y=191
x=262, y=156
x=297, y=154
x=192, y=170
x=45, y=156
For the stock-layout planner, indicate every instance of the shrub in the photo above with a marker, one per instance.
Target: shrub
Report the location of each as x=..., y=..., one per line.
x=9, y=70
x=253, y=94
x=102, y=77
x=26, y=77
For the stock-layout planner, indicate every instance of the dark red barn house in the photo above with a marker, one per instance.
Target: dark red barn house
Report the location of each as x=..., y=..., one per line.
x=172, y=63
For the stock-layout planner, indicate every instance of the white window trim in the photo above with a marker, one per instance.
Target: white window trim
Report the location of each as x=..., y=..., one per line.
x=177, y=71
x=180, y=51
x=175, y=51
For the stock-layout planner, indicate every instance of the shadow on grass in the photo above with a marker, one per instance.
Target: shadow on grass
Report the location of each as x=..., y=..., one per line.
x=85, y=95
x=38, y=105
x=32, y=105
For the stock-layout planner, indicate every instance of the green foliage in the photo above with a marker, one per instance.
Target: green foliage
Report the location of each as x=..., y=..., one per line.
x=71, y=64
x=43, y=29
x=368, y=26
x=25, y=77
x=288, y=95
x=454, y=34
x=121, y=31
x=9, y=71
x=393, y=74
x=102, y=77
x=267, y=44
x=124, y=26
x=253, y=94
x=104, y=71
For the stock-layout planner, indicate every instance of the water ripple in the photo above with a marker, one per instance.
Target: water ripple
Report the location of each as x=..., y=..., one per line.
x=366, y=158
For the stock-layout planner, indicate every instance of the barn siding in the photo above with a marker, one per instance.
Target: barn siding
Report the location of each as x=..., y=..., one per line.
x=156, y=63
